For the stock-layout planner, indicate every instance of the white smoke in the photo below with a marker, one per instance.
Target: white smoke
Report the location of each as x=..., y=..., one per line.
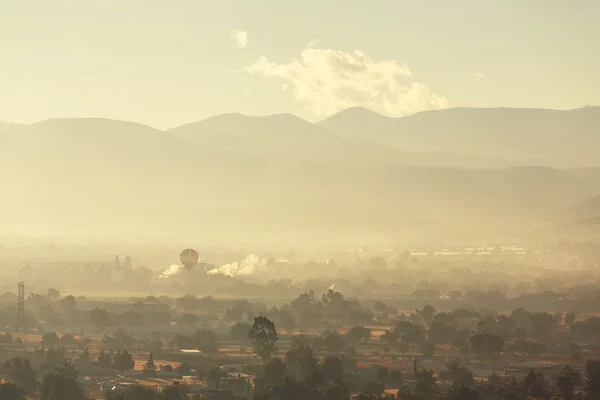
x=169, y=272
x=249, y=265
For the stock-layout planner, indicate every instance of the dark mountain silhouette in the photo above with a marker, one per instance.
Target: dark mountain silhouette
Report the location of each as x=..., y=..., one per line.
x=516, y=136
x=284, y=137
x=234, y=177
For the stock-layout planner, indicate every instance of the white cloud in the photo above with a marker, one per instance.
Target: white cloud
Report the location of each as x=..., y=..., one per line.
x=327, y=81
x=240, y=38
x=480, y=75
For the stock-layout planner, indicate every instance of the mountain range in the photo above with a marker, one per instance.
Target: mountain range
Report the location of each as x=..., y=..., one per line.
x=355, y=174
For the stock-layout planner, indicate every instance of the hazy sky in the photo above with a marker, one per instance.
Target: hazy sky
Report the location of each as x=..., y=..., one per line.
x=165, y=63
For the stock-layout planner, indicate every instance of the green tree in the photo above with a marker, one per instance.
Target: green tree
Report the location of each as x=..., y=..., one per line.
x=332, y=368
x=334, y=342
x=104, y=359
x=68, y=339
x=19, y=371
x=275, y=371
x=486, y=345
x=427, y=313
x=123, y=361
x=566, y=381
x=373, y=389
x=10, y=391
x=239, y=331
x=68, y=370
x=99, y=317
x=425, y=382
x=150, y=366
x=59, y=387
x=428, y=349
x=85, y=356
x=592, y=381
x=337, y=391
x=264, y=337
x=358, y=334
x=50, y=339
x=382, y=374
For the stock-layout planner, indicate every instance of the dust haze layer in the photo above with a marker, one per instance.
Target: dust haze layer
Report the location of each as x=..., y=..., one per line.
x=281, y=178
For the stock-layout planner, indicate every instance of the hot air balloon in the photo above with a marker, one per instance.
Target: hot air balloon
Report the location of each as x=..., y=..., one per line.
x=189, y=258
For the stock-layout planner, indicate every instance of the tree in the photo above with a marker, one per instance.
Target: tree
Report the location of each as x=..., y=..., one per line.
x=53, y=294
x=99, y=317
x=59, y=387
x=156, y=345
x=337, y=391
x=459, y=376
x=123, y=361
x=104, y=359
x=388, y=337
x=455, y=295
x=302, y=361
x=570, y=318
x=462, y=393
x=425, y=381
x=334, y=342
x=318, y=343
x=396, y=377
x=332, y=368
x=68, y=339
x=69, y=304
x=50, y=339
x=189, y=319
x=275, y=371
x=486, y=345
x=68, y=371
x=264, y=336
x=566, y=381
x=289, y=323
x=358, y=334
x=382, y=374
x=18, y=370
x=85, y=356
x=428, y=312
x=428, y=349
x=409, y=333
x=10, y=391
x=239, y=331
x=205, y=340
x=150, y=366
x=7, y=338
x=184, y=369
x=374, y=389
x=592, y=381
x=535, y=385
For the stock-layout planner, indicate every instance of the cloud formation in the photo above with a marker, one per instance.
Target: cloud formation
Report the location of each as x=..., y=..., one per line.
x=480, y=75
x=327, y=81
x=240, y=38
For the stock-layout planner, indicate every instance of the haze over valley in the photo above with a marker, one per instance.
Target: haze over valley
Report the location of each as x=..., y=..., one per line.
x=299, y=200
x=356, y=173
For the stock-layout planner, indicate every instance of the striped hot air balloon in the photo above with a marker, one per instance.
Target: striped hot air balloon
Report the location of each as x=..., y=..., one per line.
x=189, y=258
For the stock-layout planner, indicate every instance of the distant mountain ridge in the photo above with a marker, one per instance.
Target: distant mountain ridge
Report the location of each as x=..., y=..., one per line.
x=516, y=135
x=283, y=177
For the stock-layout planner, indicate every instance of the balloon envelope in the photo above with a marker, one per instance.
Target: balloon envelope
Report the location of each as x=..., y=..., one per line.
x=189, y=258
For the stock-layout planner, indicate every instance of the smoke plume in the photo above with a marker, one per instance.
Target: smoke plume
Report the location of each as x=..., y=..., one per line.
x=248, y=266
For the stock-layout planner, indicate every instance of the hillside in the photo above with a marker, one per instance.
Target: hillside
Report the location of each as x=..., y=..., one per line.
x=514, y=136
x=284, y=137
x=299, y=182
x=588, y=209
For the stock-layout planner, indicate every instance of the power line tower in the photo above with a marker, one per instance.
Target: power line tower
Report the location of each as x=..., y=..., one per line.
x=21, y=306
